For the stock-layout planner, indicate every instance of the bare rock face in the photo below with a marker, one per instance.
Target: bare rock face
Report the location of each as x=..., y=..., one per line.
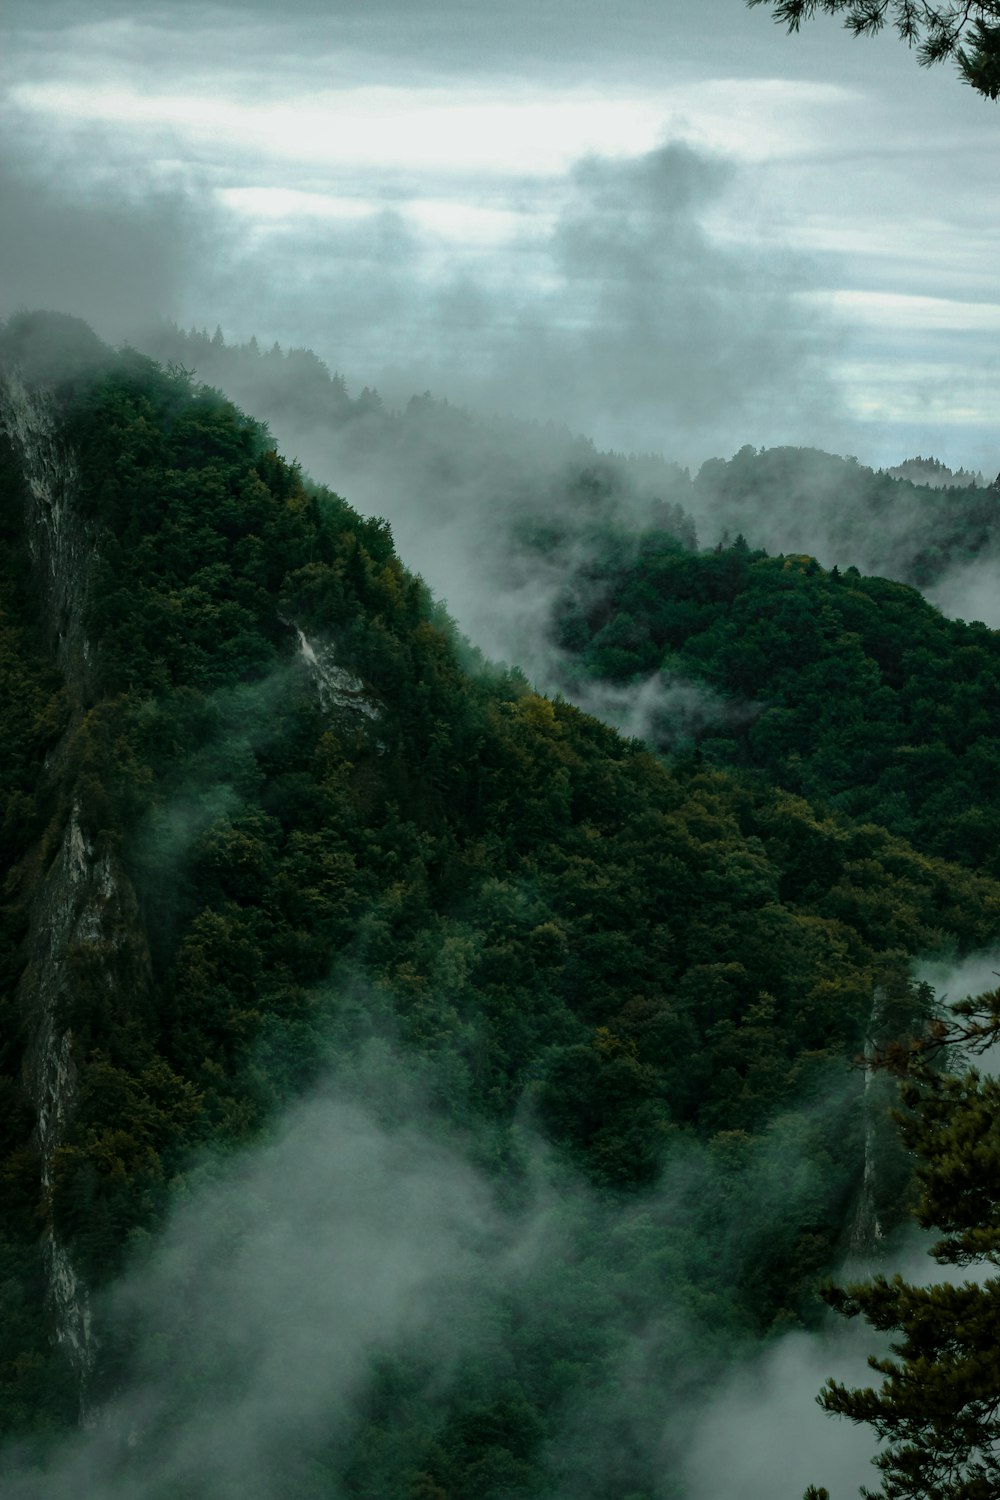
x=84, y=917
x=84, y=910
x=338, y=689
x=62, y=547
x=867, y=1234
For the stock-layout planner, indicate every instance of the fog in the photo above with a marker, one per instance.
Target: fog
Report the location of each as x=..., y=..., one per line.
x=674, y=230
x=765, y=1435
x=654, y=236
x=101, y=257
x=506, y=519
x=971, y=591
x=357, y=1255
x=639, y=328
x=616, y=311
x=963, y=979
x=977, y=974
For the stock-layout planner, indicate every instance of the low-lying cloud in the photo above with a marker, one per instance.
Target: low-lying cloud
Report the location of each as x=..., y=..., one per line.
x=669, y=712
x=105, y=254
x=262, y=1308
x=764, y=1436
x=358, y=1244
x=609, y=297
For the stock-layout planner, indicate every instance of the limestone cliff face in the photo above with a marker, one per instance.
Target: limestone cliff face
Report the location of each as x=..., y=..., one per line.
x=84, y=915
x=61, y=544
x=867, y=1234
x=340, y=692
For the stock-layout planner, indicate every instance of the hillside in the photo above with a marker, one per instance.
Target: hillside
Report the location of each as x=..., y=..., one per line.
x=489, y=481
x=851, y=691
x=273, y=828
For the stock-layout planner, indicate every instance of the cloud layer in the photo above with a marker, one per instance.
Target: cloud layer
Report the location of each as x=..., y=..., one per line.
x=358, y=1244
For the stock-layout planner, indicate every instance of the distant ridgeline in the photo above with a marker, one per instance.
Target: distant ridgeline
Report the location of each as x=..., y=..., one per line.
x=262, y=805
x=913, y=528
x=933, y=472
x=916, y=522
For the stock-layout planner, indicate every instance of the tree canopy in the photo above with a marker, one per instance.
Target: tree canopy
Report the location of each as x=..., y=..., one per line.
x=851, y=692
x=938, y=1408
x=968, y=32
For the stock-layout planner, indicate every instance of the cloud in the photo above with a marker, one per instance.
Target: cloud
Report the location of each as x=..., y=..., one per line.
x=612, y=294
x=628, y=318
x=962, y=979
x=617, y=311
x=672, y=330
x=353, y=1289
x=971, y=591
x=107, y=256
x=764, y=1436
x=667, y=711
x=977, y=974
x=814, y=113
x=261, y=1309
x=568, y=37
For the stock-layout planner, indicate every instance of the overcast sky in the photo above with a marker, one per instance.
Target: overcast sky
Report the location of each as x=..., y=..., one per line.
x=664, y=222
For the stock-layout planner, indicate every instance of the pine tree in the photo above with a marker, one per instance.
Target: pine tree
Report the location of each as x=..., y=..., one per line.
x=938, y=1407
x=966, y=30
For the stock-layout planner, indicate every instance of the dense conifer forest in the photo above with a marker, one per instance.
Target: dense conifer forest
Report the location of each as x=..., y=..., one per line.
x=274, y=832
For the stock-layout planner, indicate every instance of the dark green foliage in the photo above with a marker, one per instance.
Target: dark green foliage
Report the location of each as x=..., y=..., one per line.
x=853, y=692
x=936, y=1409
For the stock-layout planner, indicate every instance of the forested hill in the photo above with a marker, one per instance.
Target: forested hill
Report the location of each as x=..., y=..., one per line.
x=796, y=500
x=267, y=818
x=433, y=461
x=851, y=691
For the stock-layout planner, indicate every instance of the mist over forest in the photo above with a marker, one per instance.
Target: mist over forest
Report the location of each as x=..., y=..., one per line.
x=500, y=755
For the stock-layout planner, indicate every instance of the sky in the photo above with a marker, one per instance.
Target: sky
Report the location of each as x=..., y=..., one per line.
x=667, y=225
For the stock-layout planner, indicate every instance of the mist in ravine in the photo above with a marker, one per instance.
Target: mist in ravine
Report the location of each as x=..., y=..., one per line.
x=358, y=1256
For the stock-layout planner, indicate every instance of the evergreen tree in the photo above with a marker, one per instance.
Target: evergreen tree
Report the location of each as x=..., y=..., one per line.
x=938, y=1407
x=968, y=30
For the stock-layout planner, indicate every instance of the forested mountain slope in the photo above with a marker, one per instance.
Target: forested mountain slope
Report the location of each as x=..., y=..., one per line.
x=267, y=815
x=490, y=481
x=851, y=691
x=802, y=500
x=490, y=510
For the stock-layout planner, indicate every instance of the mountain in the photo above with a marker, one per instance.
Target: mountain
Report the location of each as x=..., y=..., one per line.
x=854, y=692
x=800, y=500
x=410, y=1086
x=932, y=472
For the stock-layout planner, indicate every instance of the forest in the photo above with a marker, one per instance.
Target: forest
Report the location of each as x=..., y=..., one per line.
x=327, y=941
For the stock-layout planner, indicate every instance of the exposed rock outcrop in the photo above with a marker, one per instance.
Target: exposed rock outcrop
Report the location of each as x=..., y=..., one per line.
x=83, y=912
